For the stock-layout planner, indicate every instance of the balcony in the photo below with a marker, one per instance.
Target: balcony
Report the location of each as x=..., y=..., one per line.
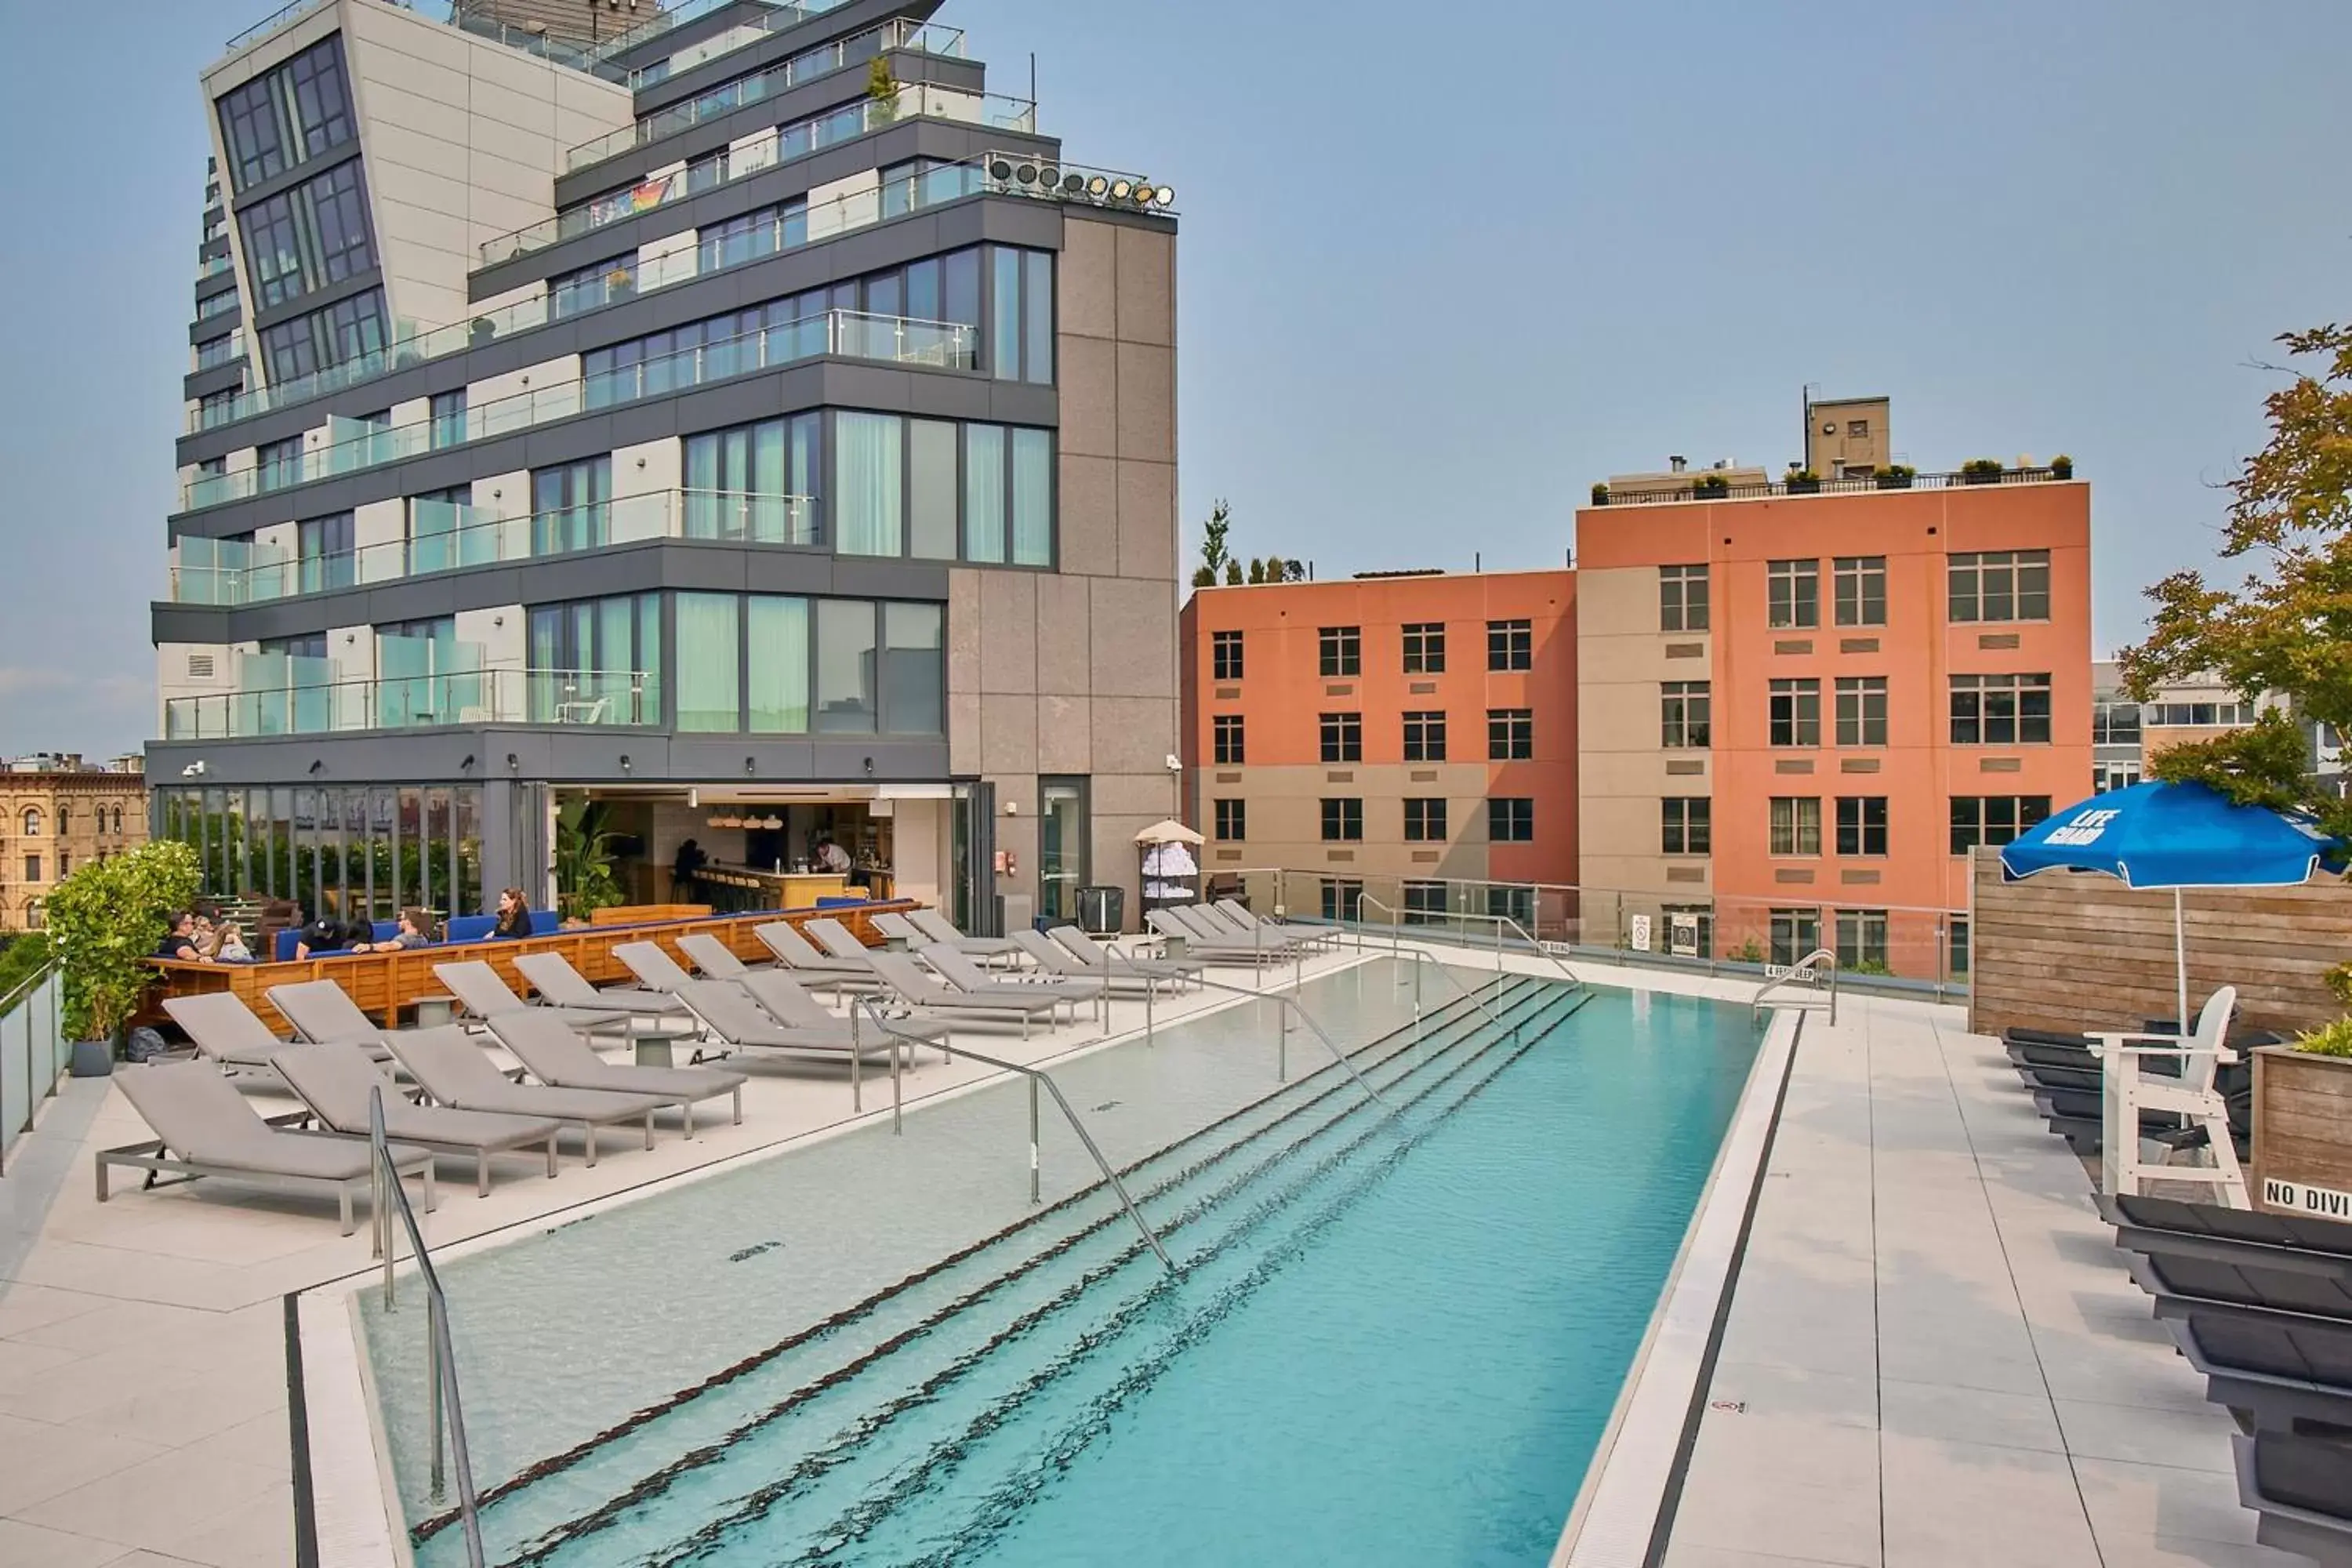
x=1697, y=488
x=849, y=334
x=807, y=66
x=213, y=267
x=783, y=145
x=221, y=351
x=704, y=50
x=444, y=536
x=803, y=225
x=583, y=698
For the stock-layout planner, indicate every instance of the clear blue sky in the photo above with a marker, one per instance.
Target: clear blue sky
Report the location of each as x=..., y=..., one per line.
x=1442, y=267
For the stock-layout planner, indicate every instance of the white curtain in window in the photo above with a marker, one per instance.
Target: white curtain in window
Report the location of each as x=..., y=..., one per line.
x=984, y=492
x=707, y=649
x=1032, y=497
x=777, y=631
x=869, y=503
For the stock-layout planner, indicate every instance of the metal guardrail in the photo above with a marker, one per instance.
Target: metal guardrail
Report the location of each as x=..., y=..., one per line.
x=31, y=1028
x=388, y=1198
x=1807, y=971
x=1036, y=1076
x=1500, y=924
x=1398, y=950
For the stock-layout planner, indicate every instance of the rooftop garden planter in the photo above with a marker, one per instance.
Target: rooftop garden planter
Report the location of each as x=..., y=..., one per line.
x=2302, y=1123
x=1802, y=482
x=1600, y=495
x=1980, y=471
x=2062, y=466
x=1895, y=477
x=1710, y=486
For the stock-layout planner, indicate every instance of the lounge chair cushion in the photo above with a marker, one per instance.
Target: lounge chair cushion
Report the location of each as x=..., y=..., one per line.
x=454, y=1071
x=556, y=1057
x=224, y=1028
x=201, y=1117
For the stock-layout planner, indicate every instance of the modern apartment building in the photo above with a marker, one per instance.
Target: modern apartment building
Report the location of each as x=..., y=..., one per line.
x=2126, y=733
x=1801, y=706
x=1397, y=735
x=731, y=416
x=56, y=812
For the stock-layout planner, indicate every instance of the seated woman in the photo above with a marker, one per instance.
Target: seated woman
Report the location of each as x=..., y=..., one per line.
x=221, y=941
x=514, y=916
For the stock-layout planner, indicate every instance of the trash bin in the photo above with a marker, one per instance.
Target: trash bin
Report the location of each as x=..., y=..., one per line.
x=1102, y=911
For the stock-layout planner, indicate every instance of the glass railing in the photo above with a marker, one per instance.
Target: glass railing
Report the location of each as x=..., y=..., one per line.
x=805, y=225
x=448, y=536
x=213, y=267
x=913, y=101
x=657, y=24
x=579, y=57
x=702, y=51
x=221, y=351
x=896, y=340
x=569, y=696
x=725, y=99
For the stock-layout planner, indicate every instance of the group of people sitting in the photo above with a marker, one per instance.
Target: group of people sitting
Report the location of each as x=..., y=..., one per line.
x=203, y=936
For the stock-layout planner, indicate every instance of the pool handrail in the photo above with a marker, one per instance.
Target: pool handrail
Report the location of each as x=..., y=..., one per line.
x=1035, y=1077
x=1500, y=922
x=1282, y=1048
x=1805, y=972
x=1421, y=956
x=390, y=1197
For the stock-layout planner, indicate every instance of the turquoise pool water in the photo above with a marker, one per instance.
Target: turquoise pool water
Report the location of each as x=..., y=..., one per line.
x=1396, y=1336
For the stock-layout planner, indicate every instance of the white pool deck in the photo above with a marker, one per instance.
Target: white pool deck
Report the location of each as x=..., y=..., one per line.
x=1933, y=1353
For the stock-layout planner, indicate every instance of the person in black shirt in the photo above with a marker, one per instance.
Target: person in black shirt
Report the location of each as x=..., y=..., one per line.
x=179, y=943
x=514, y=915
x=327, y=934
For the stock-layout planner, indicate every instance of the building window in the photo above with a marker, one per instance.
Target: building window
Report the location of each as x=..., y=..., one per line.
x=1862, y=825
x=1510, y=734
x=1796, y=825
x=1343, y=820
x=1796, y=712
x=1424, y=736
x=2000, y=585
x=1992, y=820
x=328, y=553
x=1959, y=941
x=65, y=863
x=1510, y=645
x=448, y=415
x=334, y=334
x=1792, y=594
x=1339, y=650
x=1343, y=737
x=1225, y=656
x=1681, y=598
x=2000, y=710
x=1343, y=899
x=287, y=118
x=760, y=482
x=2114, y=722
x=2107, y=776
x=571, y=506
x=278, y=463
x=710, y=663
x=1796, y=934
x=1516, y=905
x=1021, y=340
x=1861, y=941
x=590, y=288
x=1424, y=647
x=1682, y=707
x=606, y=651
x=1861, y=710
x=32, y=867
x=1686, y=824
x=305, y=239
x=32, y=822
x=1232, y=820
x=1425, y=821
x=1424, y=902
x=1228, y=740
x=1857, y=429
x=1858, y=582
x=2199, y=715
x=1511, y=820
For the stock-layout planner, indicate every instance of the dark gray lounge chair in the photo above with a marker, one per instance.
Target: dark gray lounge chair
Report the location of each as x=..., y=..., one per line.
x=929, y=996
x=554, y=1055
x=322, y=1010
x=334, y=1082
x=960, y=972
x=487, y=995
x=1089, y=954
x=449, y=1067
x=1053, y=958
x=551, y=975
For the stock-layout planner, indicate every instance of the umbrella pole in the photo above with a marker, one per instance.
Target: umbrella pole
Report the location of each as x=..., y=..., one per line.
x=2180, y=960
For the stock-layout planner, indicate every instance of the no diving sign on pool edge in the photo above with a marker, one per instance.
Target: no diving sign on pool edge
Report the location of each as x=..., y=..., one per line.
x=2302, y=1197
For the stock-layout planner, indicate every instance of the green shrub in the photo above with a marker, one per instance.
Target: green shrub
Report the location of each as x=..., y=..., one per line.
x=2062, y=466
x=1982, y=468
x=1600, y=495
x=2334, y=1040
x=105, y=919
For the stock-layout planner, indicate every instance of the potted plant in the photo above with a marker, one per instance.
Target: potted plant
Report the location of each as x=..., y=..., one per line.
x=584, y=882
x=106, y=921
x=1600, y=495
x=1981, y=471
x=484, y=330
x=1710, y=486
x=2062, y=466
x=882, y=89
x=1803, y=481
x=1748, y=951
x=2301, y=1135
x=1895, y=477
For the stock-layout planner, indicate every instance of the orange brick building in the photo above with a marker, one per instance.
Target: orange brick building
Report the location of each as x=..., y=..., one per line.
x=1400, y=736
x=1799, y=711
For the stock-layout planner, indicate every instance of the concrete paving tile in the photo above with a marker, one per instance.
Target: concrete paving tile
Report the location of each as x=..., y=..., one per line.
x=264, y=1441
x=1842, y=1399
x=1754, y=1513
x=2123, y=1551
x=1681, y=1553
x=38, y=1461
x=24, y=1307
x=151, y=1560
x=22, y=1363
x=161, y=1502
x=1950, y=1503
x=257, y=1534
x=2183, y=1439
x=2137, y=1502
x=176, y=1412
x=1978, y=1416
x=2105, y=1369
x=29, y=1546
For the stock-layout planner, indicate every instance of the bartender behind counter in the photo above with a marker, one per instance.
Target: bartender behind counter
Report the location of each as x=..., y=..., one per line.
x=833, y=859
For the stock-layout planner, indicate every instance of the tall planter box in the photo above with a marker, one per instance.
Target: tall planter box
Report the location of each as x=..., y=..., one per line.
x=2302, y=1133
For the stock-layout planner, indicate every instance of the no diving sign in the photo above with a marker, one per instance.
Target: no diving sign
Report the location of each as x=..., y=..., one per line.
x=2301, y=1197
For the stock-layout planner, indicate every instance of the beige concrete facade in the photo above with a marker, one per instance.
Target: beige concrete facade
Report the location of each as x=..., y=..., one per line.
x=1072, y=674
x=1847, y=435
x=1623, y=771
x=55, y=820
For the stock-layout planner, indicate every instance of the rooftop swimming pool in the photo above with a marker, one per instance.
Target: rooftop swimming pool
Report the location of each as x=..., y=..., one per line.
x=1396, y=1332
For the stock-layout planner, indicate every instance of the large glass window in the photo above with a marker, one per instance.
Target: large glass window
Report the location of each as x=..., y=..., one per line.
x=288, y=117
x=845, y=696
x=776, y=653
x=2114, y=722
x=1684, y=708
x=709, y=662
x=1796, y=935
x=2000, y=710
x=347, y=329
x=869, y=491
x=1862, y=710
x=571, y=506
x=306, y=239
x=2000, y=585
x=743, y=483
x=1993, y=820
x=1681, y=598
x=1796, y=713
x=984, y=492
x=1032, y=497
x=600, y=283
x=1793, y=595
x=931, y=488
x=914, y=668
x=1022, y=320
x=1861, y=941
x=326, y=548
x=1860, y=584
x=596, y=661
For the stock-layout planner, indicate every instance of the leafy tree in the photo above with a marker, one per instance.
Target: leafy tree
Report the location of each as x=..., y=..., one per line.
x=1215, y=561
x=2286, y=627
x=23, y=957
x=881, y=87
x=1233, y=573
x=105, y=919
x=585, y=881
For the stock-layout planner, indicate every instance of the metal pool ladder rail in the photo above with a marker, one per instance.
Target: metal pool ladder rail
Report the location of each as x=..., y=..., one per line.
x=1500, y=922
x=391, y=1197
x=1036, y=1076
x=1806, y=973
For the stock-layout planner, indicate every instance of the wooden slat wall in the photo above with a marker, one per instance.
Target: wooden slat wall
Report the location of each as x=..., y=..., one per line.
x=383, y=983
x=2060, y=952
x=2302, y=1109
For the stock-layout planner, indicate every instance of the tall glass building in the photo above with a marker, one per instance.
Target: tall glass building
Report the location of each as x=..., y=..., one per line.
x=731, y=421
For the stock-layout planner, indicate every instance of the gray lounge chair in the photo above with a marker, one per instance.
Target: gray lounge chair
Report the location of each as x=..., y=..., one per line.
x=558, y=1058
x=1053, y=959
x=713, y=957
x=736, y=1022
x=322, y=1011
x=653, y=965
x=551, y=975
x=779, y=996
x=939, y=927
x=449, y=1067
x=927, y=994
x=838, y=942
x=204, y=1128
x=487, y=996
x=226, y=1029
x=811, y=965
x=1241, y=915
x=1217, y=949
x=966, y=976
x=334, y=1081
x=1091, y=957
x=1209, y=926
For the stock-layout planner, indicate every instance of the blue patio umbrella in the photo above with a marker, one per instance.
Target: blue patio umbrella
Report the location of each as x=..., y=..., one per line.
x=2176, y=836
